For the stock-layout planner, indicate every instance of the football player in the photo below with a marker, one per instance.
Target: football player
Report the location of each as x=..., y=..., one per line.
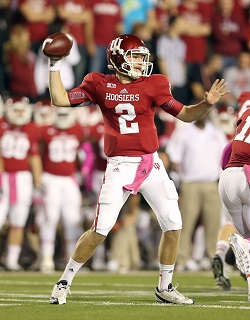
x=62, y=197
x=234, y=188
x=127, y=101
x=22, y=172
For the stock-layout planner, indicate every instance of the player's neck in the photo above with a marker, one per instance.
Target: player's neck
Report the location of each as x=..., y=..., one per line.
x=123, y=79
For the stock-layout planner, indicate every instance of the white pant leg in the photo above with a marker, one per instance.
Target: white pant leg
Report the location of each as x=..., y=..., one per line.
x=158, y=190
x=235, y=195
x=49, y=214
x=19, y=211
x=4, y=201
x=71, y=212
x=112, y=196
x=160, y=193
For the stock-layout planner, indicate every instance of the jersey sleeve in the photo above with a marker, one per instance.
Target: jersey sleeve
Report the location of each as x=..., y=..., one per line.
x=164, y=98
x=84, y=94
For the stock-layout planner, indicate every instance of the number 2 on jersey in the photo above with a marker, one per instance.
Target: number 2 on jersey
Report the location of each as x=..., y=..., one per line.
x=125, y=118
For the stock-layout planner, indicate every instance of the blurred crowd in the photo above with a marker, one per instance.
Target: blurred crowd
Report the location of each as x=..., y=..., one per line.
x=52, y=160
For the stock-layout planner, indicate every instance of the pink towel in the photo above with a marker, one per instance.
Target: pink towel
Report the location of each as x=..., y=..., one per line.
x=226, y=152
x=87, y=168
x=143, y=170
x=12, y=186
x=247, y=172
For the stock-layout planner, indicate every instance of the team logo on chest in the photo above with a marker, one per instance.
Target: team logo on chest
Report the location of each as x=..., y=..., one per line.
x=122, y=96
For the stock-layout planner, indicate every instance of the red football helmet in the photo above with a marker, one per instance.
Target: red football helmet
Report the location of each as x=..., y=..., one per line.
x=18, y=113
x=65, y=118
x=244, y=102
x=120, y=56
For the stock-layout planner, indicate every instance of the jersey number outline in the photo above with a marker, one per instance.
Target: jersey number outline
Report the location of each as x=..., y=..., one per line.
x=125, y=118
x=63, y=150
x=242, y=136
x=16, y=147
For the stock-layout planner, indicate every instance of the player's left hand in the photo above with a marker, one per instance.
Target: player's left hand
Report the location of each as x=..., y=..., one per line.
x=216, y=91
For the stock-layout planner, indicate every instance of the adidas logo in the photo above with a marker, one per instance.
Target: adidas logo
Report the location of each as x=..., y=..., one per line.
x=116, y=170
x=124, y=91
x=71, y=270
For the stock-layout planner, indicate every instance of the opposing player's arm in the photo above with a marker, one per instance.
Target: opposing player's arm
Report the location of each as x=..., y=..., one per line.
x=193, y=112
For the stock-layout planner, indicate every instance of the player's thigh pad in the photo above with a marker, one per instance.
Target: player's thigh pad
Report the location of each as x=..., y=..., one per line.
x=235, y=194
x=112, y=196
x=163, y=199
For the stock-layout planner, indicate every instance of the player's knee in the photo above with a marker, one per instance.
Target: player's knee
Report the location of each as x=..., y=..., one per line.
x=96, y=238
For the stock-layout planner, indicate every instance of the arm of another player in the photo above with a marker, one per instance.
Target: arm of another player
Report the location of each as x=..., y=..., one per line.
x=193, y=112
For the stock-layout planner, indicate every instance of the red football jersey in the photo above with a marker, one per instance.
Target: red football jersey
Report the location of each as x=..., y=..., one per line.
x=17, y=144
x=241, y=142
x=60, y=149
x=128, y=110
x=107, y=14
x=74, y=27
x=39, y=30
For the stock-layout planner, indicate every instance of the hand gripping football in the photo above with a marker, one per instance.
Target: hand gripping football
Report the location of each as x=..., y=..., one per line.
x=57, y=45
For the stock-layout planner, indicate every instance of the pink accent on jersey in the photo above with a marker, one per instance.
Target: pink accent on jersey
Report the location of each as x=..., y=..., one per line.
x=128, y=110
x=13, y=190
x=226, y=152
x=143, y=171
x=88, y=164
x=247, y=172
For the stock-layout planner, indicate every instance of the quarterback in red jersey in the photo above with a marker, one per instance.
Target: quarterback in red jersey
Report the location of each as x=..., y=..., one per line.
x=127, y=101
x=62, y=198
x=234, y=188
x=21, y=169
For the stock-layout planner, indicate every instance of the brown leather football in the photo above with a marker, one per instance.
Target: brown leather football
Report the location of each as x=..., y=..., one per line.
x=57, y=45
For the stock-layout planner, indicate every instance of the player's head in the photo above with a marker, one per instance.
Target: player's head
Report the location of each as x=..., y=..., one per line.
x=65, y=118
x=244, y=102
x=129, y=56
x=224, y=117
x=44, y=114
x=18, y=113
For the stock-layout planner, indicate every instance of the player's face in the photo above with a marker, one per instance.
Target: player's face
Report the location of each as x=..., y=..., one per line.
x=137, y=60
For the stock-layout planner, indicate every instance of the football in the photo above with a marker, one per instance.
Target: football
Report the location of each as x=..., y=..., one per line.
x=57, y=45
